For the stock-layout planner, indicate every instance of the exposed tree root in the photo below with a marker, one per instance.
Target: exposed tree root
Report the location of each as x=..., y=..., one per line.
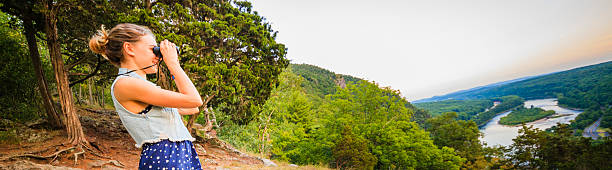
x=76, y=155
x=54, y=155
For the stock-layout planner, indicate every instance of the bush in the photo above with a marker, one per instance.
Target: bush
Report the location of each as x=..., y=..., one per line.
x=19, y=98
x=351, y=152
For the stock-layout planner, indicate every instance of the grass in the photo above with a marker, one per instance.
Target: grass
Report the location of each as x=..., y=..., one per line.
x=9, y=137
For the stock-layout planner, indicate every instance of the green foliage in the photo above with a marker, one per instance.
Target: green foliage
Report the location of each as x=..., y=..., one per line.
x=9, y=136
x=593, y=93
x=588, y=88
x=475, y=110
x=591, y=115
x=507, y=103
x=304, y=132
x=286, y=115
x=229, y=51
x=461, y=135
x=420, y=115
x=536, y=149
x=318, y=81
x=352, y=152
x=381, y=116
x=19, y=97
x=594, y=77
x=465, y=109
x=523, y=115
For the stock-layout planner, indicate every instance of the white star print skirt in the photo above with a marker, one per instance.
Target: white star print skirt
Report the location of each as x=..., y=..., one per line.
x=170, y=155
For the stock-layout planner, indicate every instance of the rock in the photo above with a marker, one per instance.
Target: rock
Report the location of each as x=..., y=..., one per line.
x=110, y=167
x=23, y=164
x=293, y=165
x=208, y=162
x=101, y=163
x=96, y=164
x=116, y=163
x=268, y=162
x=200, y=150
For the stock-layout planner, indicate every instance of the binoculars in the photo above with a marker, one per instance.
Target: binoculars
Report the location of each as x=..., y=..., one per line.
x=158, y=53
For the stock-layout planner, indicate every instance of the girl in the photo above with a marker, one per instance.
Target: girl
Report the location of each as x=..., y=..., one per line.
x=151, y=115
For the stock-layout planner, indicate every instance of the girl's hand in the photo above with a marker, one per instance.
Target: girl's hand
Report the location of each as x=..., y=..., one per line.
x=168, y=50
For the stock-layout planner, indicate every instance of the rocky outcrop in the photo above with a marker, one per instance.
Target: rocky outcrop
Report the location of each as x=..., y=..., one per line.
x=339, y=80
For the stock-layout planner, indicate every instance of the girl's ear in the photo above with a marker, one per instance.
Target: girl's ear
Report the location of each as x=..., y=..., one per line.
x=128, y=48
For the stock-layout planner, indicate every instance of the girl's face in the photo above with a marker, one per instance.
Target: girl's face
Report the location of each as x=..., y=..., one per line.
x=143, y=53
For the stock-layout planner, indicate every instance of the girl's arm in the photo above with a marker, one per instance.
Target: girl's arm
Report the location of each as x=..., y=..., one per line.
x=188, y=111
x=130, y=88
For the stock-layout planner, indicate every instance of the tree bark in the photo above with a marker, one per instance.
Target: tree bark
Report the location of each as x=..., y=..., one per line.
x=162, y=79
x=193, y=117
x=73, y=125
x=53, y=116
x=80, y=95
x=263, y=135
x=102, y=102
x=91, y=99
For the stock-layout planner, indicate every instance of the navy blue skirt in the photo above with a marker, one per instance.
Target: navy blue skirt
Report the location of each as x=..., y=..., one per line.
x=166, y=154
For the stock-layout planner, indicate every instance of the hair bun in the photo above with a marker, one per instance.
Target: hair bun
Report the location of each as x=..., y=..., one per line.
x=97, y=43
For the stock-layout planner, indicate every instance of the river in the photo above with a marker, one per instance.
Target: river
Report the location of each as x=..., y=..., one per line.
x=497, y=134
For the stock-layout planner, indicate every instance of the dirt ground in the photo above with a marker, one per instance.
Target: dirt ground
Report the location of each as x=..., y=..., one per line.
x=105, y=132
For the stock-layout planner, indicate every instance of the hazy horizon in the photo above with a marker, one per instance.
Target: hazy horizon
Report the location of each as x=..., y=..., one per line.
x=431, y=48
x=478, y=85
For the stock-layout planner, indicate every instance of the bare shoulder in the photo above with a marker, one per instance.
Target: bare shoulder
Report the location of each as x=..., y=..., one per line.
x=128, y=87
x=134, y=89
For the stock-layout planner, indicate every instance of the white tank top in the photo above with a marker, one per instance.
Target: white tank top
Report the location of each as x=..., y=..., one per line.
x=158, y=124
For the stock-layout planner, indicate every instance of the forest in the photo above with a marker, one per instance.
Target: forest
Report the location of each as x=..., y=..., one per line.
x=477, y=110
x=586, y=88
x=507, y=103
x=255, y=99
x=465, y=109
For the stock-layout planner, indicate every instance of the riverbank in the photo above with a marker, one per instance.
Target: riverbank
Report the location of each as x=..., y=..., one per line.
x=508, y=103
x=498, y=134
x=505, y=112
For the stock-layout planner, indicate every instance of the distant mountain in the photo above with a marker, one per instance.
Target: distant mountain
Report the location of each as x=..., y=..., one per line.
x=532, y=87
x=460, y=95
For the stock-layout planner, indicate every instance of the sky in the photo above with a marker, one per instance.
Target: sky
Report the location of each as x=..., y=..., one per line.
x=428, y=48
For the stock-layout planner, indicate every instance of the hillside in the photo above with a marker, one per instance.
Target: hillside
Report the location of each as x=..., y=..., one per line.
x=588, y=88
x=320, y=82
x=534, y=87
x=465, y=109
x=465, y=94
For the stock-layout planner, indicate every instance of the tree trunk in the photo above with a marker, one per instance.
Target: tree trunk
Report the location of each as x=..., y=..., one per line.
x=91, y=99
x=193, y=117
x=163, y=80
x=102, y=102
x=80, y=95
x=73, y=125
x=53, y=116
x=263, y=135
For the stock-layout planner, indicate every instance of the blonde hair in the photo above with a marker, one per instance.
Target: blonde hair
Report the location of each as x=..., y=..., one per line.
x=110, y=43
